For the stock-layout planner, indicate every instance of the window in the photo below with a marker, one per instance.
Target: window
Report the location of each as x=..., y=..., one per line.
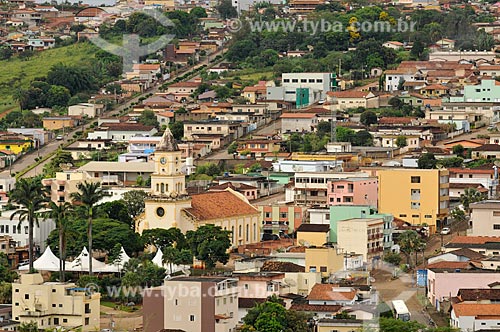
x=65, y=320
x=415, y=179
x=322, y=268
x=60, y=305
x=428, y=216
x=496, y=213
x=402, y=216
x=415, y=216
x=26, y=296
x=53, y=291
x=87, y=320
x=312, y=268
x=191, y=318
x=246, y=286
x=56, y=321
x=496, y=226
x=53, y=305
x=283, y=215
x=415, y=205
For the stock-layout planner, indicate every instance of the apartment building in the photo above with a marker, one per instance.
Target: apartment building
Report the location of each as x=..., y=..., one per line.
x=195, y=129
x=299, y=122
x=121, y=132
x=485, y=245
x=475, y=317
x=65, y=183
x=281, y=218
x=485, y=218
x=86, y=109
x=311, y=188
x=363, y=236
x=343, y=212
x=353, y=191
x=194, y=304
x=418, y=196
x=326, y=260
x=444, y=279
x=54, y=304
x=41, y=231
x=461, y=178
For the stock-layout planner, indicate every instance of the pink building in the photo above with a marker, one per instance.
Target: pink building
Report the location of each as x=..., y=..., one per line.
x=353, y=191
x=444, y=279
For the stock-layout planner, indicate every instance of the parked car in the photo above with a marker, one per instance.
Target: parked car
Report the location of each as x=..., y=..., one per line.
x=445, y=231
x=59, y=137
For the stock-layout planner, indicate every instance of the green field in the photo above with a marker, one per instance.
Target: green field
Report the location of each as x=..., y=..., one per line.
x=17, y=73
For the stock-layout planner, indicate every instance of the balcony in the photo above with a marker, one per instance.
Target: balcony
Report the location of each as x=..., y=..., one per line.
x=272, y=225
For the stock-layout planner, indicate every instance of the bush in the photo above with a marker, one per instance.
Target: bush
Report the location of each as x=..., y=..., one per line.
x=392, y=258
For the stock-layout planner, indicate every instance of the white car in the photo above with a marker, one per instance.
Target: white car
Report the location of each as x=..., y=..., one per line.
x=445, y=231
x=59, y=137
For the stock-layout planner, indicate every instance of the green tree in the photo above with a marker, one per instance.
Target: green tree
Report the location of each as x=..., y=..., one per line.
x=5, y=292
x=148, y=118
x=363, y=138
x=226, y=9
x=60, y=214
x=427, y=161
x=210, y=243
x=471, y=195
x=232, y=148
x=163, y=238
x=117, y=210
x=396, y=325
x=198, y=12
x=177, y=129
x=28, y=327
x=57, y=96
x=88, y=195
x=451, y=162
x=401, y=141
x=5, y=53
x=392, y=258
x=134, y=200
x=458, y=215
x=6, y=274
x=30, y=196
x=368, y=118
x=410, y=242
x=345, y=134
x=458, y=150
x=396, y=103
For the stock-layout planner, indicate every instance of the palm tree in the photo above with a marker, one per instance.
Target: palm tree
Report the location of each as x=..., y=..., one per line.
x=471, y=195
x=31, y=197
x=409, y=242
x=60, y=213
x=89, y=193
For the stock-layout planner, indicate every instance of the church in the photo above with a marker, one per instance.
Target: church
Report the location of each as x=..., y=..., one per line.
x=169, y=204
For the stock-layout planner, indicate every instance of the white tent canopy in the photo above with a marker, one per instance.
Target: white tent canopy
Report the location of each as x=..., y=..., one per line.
x=47, y=262
x=158, y=261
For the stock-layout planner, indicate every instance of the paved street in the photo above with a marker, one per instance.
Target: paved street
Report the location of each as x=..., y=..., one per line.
x=29, y=159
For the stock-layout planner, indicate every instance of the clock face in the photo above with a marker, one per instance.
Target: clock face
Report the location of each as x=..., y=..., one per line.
x=160, y=212
x=163, y=161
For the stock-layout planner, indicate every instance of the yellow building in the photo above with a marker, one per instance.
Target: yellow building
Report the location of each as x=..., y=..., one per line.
x=15, y=143
x=65, y=183
x=339, y=325
x=313, y=234
x=58, y=122
x=54, y=304
x=364, y=236
x=169, y=205
x=418, y=196
x=326, y=260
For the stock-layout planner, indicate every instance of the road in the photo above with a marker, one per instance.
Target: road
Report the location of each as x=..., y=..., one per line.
x=29, y=158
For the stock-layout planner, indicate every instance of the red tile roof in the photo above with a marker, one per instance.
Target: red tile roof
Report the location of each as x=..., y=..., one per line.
x=477, y=310
x=326, y=292
x=219, y=205
x=448, y=265
x=315, y=308
x=475, y=239
x=395, y=120
x=348, y=94
x=297, y=115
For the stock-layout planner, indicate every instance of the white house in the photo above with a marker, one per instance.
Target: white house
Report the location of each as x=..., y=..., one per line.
x=122, y=132
x=40, y=231
x=298, y=122
x=475, y=316
x=86, y=109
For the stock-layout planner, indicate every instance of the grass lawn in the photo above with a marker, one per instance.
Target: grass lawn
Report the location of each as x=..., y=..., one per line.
x=119, y=306
x=269, y=75
x=18, y=73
